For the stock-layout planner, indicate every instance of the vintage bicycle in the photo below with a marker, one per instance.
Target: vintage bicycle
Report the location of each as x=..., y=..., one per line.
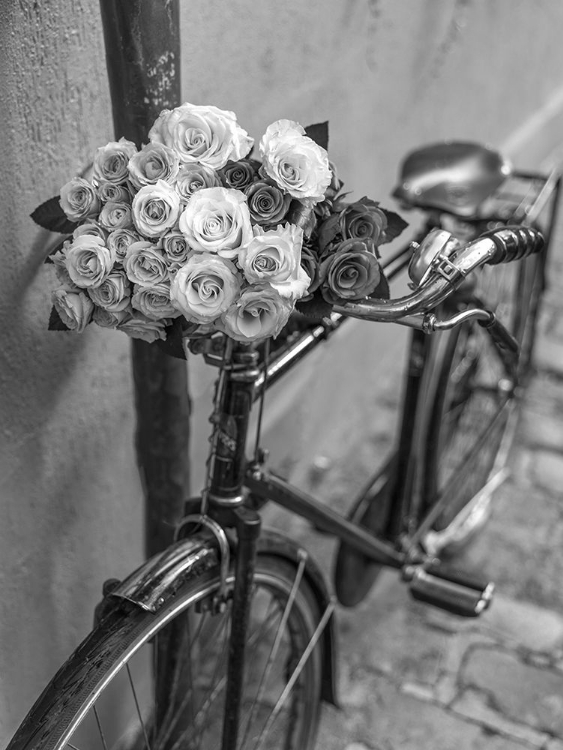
x=245, y=611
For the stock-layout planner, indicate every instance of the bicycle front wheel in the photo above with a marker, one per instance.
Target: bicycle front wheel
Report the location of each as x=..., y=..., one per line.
x=107, y=697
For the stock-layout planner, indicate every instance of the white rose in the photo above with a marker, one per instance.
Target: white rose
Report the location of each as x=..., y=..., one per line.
x=204, y=287
x=79, y=200
x=153, y=162
x=114, y=293
x=145, y=264
x=274, y=256
x=217, y=220
x=120, y=240
x=141, y=327
x=176, y=247
x=111, y=160
x=88, y=261
x=203, y=134
x=109, y=192
x=294, y=161
x=258, y=313
x=91, y=228
x=156, y=209
x=74, y=307
x=154, y=301
x=116, y=216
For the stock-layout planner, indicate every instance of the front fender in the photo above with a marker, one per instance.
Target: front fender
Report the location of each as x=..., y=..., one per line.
x=151, y=585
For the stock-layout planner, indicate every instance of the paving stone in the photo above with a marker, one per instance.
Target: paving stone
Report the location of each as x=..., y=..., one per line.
x=534, y=628
x=473, y=705
x=518, y=691
x=391, y=720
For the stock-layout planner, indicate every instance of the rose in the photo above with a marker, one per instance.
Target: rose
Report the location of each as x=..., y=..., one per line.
x=258, y=313
x=145, y=264
x=114, y=293
x=116, y=216
x=74, y=308
x=59, y=261
x=275, y=257
x=153, y=162
x=111, y=160
x=120, y=240
x=175, y=247
x=267, y=203
x=239, y=174
x=109, y=192
x=92, y=228
x=78, y=200
x=217, y=220
x=141, y=327
x=88, y=261
x=204, y=287
x=154, y=301
x=363, y=220
x=351, y=273
x=194, y=177
x=109, y=319
x=203, y=134
x=294, y=161
x=156, y=209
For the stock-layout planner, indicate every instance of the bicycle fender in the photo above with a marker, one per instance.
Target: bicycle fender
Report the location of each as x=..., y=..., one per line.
x=151, y=585
x=274, y=543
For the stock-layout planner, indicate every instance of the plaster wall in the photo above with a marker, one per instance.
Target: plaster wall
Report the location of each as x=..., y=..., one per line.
x=387, y=74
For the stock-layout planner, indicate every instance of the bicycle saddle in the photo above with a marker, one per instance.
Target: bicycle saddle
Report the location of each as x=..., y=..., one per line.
x=452, y=176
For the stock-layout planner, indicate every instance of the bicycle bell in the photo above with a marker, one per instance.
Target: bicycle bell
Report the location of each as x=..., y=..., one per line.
x=437, y=242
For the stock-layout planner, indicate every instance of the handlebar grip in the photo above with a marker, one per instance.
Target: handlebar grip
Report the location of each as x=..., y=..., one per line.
x=514, y=243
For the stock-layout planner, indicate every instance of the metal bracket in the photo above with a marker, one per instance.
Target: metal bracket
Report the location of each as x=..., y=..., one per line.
x=443, y=265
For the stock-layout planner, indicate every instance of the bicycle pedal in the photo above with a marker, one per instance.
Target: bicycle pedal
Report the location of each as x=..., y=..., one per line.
x=449, y=590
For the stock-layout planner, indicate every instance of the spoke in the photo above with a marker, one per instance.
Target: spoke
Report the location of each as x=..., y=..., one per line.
x=275, y=646
x=144, y=728
x=72, y=747
x=98, y=722
x=295, y=675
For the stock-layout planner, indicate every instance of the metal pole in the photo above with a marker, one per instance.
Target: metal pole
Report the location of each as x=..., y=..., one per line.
x=142, y=41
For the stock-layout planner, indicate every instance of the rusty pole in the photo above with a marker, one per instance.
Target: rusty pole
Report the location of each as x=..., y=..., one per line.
x=142, y=41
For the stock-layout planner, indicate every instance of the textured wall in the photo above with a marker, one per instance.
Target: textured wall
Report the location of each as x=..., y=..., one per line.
x=66, y=467
x=388, y=75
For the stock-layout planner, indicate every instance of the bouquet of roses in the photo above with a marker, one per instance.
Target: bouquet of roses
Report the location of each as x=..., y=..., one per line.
x=190, y=234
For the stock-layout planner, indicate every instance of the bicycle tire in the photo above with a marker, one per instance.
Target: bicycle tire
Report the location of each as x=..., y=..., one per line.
x=104, y=665
x=468, y=433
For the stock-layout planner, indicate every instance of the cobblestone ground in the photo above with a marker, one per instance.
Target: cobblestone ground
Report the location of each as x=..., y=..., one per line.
x=411, y=676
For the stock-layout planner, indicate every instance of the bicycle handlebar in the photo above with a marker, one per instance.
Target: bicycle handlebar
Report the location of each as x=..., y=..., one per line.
x=447, y=274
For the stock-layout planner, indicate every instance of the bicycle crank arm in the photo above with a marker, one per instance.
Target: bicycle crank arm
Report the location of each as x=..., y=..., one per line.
x=451, y=591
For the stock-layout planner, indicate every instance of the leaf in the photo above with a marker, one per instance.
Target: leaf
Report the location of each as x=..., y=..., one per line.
x=55, y=321
x=328, y=231
x=173, y=345
x=51, y=216
x=318, y=133
x=316, y=307
x=382, y=290
x=395, y=225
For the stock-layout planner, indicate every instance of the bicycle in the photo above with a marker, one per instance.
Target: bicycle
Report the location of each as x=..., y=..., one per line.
x=245, y=612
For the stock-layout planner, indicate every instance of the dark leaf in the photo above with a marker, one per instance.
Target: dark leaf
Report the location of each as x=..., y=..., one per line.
x=318, y=133
x=55, y=322
x=51, y=216
x=316, y=307
x=173, y=344
x=328, y=231
x=382, y=290
x=395, y=225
